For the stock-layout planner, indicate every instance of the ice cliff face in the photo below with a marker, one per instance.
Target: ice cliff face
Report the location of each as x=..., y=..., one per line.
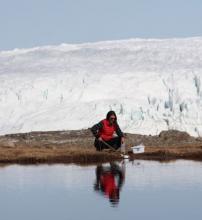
x=152, y=85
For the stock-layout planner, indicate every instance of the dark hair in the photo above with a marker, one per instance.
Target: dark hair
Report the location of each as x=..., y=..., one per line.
x=114, y=197
x=109, y=114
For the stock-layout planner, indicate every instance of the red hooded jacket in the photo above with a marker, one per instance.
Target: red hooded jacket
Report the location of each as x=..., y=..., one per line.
x=107, y=131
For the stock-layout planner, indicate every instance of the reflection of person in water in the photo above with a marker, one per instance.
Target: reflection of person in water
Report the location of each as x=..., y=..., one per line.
x=109, y=180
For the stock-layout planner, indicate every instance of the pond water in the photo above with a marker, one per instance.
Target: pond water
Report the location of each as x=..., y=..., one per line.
x=124, y=190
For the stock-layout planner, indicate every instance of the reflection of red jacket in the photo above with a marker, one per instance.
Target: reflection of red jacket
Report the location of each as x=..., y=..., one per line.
x=107, y=131
x=107, y=180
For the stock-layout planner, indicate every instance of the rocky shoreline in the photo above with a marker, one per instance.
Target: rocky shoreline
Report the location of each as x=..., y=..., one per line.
x=77, y=147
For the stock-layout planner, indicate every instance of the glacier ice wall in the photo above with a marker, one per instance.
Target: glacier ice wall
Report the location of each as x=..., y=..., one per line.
x=152, y=85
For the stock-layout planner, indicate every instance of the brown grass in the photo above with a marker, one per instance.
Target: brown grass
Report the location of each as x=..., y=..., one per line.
x=79, y=155
x=170, y=153
x=34, y=155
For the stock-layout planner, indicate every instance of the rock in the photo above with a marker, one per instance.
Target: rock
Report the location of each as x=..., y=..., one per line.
x=7, y=143
x=175, y=136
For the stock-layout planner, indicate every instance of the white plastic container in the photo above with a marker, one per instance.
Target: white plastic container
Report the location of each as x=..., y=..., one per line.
x=139, y=149
x=124, y=156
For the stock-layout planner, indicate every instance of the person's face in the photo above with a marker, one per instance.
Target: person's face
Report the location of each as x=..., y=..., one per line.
x=112, y=119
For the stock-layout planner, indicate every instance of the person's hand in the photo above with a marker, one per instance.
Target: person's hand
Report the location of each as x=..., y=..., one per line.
x=122, y=140
x=100, y=139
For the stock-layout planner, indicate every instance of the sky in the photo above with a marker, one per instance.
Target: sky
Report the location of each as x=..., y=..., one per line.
x=30, y=23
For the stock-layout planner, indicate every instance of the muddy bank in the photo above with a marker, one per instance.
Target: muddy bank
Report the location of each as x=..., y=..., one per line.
x=77, y=147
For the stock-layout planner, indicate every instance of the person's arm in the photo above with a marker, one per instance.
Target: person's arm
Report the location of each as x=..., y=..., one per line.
x=96, y=128
x=120, y=133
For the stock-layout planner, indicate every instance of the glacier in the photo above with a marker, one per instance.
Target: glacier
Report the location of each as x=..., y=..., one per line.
x=152, y=85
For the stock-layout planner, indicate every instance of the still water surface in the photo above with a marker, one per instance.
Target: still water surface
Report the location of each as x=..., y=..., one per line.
x=138, y=190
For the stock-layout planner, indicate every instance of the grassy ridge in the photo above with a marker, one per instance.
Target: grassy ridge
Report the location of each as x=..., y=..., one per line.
x=77, y=147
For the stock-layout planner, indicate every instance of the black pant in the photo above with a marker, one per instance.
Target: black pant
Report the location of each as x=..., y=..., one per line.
x=114, y=143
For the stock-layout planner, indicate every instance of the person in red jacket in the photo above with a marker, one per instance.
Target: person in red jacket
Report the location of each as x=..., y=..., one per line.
x=107, y=132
